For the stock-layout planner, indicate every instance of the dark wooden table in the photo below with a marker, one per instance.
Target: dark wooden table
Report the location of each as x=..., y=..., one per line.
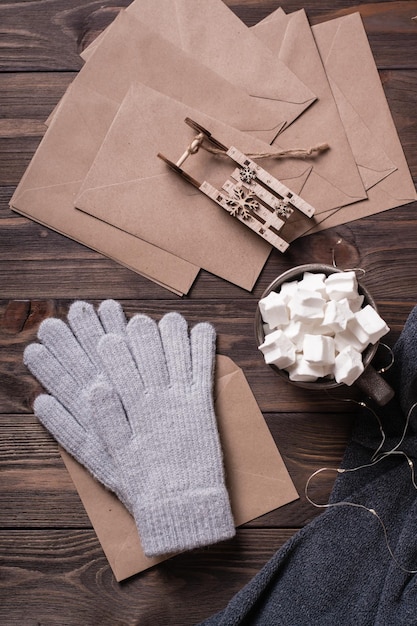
x=53, y=570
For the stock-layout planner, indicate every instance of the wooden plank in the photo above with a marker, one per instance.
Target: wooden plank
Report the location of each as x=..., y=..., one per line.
x=26, y=101
x=372, y=243
x=50, y=35
x=30, y=95
x=62, y=577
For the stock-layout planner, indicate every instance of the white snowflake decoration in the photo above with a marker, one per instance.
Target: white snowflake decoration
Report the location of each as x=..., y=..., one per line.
x=283, y=210
x=247, y=174
x=241, y=203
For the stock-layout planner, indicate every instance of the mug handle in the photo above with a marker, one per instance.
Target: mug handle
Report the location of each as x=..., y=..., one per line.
x=375, y=387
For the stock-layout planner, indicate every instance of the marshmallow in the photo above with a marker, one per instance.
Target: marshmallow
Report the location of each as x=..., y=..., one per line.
x=348, y=366
x=337, y=313
x=313, y=282
x=341, y=285
x=356, y=303
x=307, y=306
x=278, y=349
x=318, y=328
x=295, y=332
x=319, y=349
x=359, y=332
x=303, y=371
x=288, y=290
x=348, y=338
x=370, y=321
x=274, y=310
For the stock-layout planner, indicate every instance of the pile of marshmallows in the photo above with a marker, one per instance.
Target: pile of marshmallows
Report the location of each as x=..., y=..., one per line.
x=316, y=327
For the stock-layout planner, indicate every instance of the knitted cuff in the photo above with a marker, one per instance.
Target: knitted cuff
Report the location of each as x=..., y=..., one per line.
x=194, y=519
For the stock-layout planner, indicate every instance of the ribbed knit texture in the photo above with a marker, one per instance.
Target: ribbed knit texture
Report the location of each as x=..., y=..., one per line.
x=133, y=404
x=157, y=421
x=338, y=570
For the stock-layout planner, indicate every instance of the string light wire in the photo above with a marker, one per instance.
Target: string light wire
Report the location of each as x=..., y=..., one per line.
x=376, y=458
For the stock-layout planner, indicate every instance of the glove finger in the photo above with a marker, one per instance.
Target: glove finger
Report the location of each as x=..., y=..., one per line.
x=122, y=372
x=87, y=328
x=84, y=446
x=57, y=337
x=55, y=378
x=146, y=345
x=175, y=340
x=203, y=352
x=112, y=317
x=109, y=417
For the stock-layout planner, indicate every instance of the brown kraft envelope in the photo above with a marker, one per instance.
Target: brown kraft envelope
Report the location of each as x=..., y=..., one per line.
x=355, y=81
x=53, y=178
x=214, y=36
x=134, y=190
x=257, y=479
x=131, y=52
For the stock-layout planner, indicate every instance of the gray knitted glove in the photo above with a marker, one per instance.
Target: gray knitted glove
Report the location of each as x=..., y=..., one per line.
x=66, y=363
x=157, y=422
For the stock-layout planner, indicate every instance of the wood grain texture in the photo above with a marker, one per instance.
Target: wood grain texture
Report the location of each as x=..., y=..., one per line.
x=62, y=577
x=52, y=569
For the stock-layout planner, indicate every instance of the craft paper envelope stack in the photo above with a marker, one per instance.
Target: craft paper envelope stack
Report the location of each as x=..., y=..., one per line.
x=200, y=60
x=259, y=81
x=328, y=183
x=357, y=91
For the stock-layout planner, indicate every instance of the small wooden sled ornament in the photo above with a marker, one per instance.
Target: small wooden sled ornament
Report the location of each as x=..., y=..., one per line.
x=253, y=196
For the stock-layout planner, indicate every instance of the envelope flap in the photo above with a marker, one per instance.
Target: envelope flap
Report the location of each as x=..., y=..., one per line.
x=211, y=33
x=263, y=472
x=335, y=179
x=371, y=158
x=149, y=121
x=143, y=55
x=225, y=368
x=348, y=60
